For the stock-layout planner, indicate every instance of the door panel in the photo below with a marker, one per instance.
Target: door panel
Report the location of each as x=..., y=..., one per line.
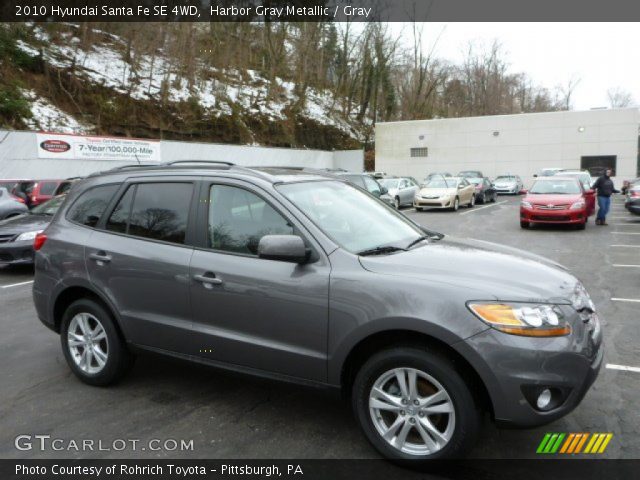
x=263, y=314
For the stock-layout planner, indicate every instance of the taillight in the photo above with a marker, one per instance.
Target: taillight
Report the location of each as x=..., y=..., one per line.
x=38, y=242
x=635, y=193
x=17, y=198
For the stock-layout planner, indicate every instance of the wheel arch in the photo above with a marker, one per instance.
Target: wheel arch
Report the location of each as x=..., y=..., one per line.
x=381, y=340
x=70, y=294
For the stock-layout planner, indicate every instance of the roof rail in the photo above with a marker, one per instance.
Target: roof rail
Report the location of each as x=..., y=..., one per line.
x=220, y=162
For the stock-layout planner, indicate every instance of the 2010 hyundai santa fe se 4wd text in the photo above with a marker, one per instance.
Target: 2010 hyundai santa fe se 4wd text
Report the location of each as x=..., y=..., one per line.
x=306, y=278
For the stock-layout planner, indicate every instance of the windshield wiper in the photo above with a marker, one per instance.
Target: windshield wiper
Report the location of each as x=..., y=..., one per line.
x=418, y=240
x=380, y=250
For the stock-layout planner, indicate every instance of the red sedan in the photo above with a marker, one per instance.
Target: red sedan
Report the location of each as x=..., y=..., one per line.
x=556, y=200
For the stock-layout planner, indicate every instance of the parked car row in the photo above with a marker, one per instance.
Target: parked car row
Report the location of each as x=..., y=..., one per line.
x=632, y=193
x=35, y=192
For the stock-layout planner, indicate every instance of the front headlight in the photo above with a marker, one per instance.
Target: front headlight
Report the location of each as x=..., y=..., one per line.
x=581, y=300
x=577, y=206
x=529, y=320
x=525, y=204
x=27, y=235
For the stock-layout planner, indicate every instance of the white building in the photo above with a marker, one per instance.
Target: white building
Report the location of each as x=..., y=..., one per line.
x=37, y=156
x=520, y=144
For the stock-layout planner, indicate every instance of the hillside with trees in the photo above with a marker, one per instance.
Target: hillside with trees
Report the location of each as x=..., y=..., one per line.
x=313, y=85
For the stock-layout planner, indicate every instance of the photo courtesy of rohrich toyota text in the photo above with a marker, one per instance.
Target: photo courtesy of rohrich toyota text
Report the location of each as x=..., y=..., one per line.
x=321, y=239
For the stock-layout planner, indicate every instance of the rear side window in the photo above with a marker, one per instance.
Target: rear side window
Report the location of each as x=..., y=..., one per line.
x=159, y=211
x=47, y=188
x=119, y=218
x=90, y=205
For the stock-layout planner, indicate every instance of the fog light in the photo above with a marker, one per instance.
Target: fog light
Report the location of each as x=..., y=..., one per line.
x=544, y=399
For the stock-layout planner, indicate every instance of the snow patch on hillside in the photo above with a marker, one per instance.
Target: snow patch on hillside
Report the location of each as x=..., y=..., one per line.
x=147, y=77
x=48, y=117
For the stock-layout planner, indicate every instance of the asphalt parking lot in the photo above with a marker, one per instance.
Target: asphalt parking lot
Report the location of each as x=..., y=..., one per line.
x=232, y=416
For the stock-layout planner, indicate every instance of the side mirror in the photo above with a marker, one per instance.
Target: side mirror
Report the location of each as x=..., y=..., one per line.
x=535, y=175
x=286, y=248
x=524, y=191
x=384, y=190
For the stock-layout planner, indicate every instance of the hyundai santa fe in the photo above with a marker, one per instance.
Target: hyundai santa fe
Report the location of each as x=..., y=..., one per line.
x=300, y=277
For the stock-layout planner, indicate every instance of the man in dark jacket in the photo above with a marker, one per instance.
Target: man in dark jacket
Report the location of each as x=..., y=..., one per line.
x=604, y=189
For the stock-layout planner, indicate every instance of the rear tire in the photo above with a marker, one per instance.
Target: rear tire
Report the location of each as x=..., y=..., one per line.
x=472, y=201
x=92, y=346
x=419, y=429
x=419, y=209
x=524, y=224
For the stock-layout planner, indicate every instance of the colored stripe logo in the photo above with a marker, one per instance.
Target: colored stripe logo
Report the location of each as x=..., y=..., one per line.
x=574, y=443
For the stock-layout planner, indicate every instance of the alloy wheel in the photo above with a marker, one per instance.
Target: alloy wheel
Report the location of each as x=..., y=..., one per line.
x=412, y=411
x=87, y=343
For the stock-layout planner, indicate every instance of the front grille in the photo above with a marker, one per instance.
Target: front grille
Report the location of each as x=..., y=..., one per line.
x=550, y=207
x=554, y=218
x=6, y=238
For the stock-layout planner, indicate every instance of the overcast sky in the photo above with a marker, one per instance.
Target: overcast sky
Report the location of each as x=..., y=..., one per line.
x=602, y=55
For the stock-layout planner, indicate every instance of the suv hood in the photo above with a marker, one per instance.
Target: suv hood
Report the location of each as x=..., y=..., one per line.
x=503, y=273
x=24, y=223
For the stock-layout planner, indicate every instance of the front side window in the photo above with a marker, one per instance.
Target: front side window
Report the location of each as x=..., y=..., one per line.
x=238, y=219
x=47, y=188
x=353, y=219
x=160, y=211
x=90, y=206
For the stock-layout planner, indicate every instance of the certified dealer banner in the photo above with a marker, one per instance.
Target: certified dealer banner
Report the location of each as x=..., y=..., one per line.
x=97, y=148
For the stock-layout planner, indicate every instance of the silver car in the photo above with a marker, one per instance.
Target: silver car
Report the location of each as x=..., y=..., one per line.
x=509, y=184
x=402, y=190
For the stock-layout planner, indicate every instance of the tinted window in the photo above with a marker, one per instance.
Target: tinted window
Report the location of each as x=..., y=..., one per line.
x=160, y=211
x=372, y=186
x=238, y=219
x=47, y=188
x=120, y=216
x=355, y=179
x=90, y=206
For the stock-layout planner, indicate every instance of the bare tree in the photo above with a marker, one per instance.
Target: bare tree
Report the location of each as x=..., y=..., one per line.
x=566, y=92
x=619, y=98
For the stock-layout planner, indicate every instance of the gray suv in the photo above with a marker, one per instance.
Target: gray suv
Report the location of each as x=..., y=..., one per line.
x=305, y=278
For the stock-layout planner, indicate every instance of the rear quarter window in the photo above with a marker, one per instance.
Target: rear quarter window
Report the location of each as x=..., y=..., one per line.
x=91, y=205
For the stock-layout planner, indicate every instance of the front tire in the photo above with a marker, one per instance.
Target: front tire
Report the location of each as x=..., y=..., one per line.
x=472, y=201
x=456, y=204
x=396, y=203
x=91, y=344
x=524, y=224
x=413, y=405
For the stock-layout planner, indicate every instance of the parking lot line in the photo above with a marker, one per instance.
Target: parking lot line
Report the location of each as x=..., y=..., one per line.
x=17, y=284
x=626, y=246
x=632, y=300
x=631, y=266
x=626, y=224
x=626, y=233
x=486, y=206
x=612, y=366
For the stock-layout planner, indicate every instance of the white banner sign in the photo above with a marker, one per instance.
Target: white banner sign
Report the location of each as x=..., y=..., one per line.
x=97, y=148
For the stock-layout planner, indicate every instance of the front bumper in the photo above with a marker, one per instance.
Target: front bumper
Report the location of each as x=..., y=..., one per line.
x=16, y=253
x=534, y=215
x=511, y=365
x=508, y=190
x=441, y=202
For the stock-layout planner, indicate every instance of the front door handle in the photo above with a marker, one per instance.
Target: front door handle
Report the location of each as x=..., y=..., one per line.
x=100, y=257
x=208, y=279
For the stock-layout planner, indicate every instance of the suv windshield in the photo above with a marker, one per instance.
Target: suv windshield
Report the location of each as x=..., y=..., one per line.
x=556, y=187
x=354, y=220
x=50, y=207
x=505, y=177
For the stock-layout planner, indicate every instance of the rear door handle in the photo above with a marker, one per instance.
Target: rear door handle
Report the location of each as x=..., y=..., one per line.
x=208, y=279
x=100, y=257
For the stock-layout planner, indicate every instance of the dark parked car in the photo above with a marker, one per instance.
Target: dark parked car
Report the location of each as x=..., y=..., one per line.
x=485, y=190
x=18, y=233
x=632, y=202
x=305, y=278
x=9, y=205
